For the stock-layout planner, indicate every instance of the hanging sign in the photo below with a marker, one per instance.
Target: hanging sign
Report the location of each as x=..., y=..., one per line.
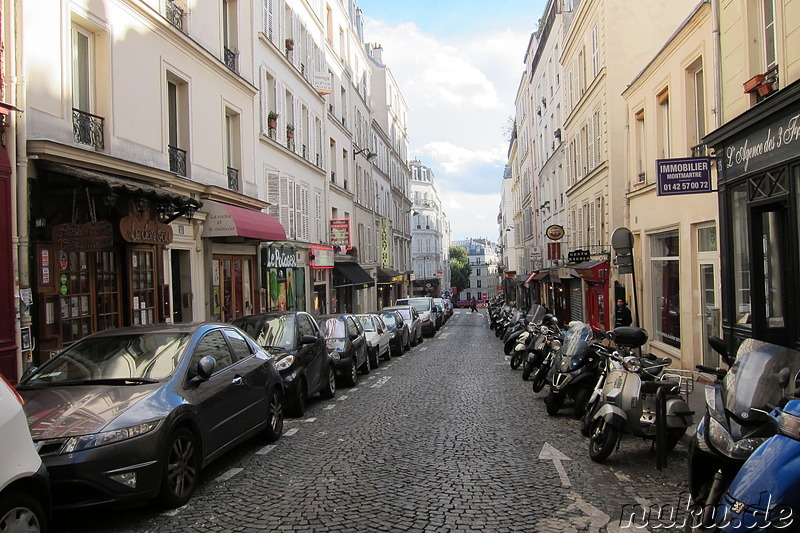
x=142, y=231
x=386, y=242
x=554, y=232
x=688, y=175
x=87, y=237
x=323, y=257
x=278, y=258
x=340, y=232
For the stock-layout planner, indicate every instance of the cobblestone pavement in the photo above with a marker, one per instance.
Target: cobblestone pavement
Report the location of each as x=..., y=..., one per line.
x=445, y=438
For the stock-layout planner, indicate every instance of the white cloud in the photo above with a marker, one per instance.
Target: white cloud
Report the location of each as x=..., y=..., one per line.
x=471, y=214
x=454, y=159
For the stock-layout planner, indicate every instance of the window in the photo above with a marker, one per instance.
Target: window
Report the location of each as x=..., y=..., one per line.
x=641, y=155
x=770, y=51
x=82, y=69
x=595, y=52
x=478, y=284
x=177, y=124
x=143, y=287
x=229, y=33
x=665, y=266
x=696, y=108
x=232, y=144
x=212, y=345
x=239, y=346
x=477, y=271
x=663, y=125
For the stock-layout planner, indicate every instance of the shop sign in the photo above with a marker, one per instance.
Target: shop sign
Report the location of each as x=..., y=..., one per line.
x=323, y=257
x=386, y=242
x=536, y=253
x=687, y=175
x=141, y=231
x=554, y=232
x=340, y=232
x=763, y=148
x=279, y=258
x=553, y=251
x=578, y=256
x=323, y=82
x=87, y=237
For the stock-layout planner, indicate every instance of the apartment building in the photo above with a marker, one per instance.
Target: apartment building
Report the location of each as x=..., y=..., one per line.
x=428, y=230
x=484, y=277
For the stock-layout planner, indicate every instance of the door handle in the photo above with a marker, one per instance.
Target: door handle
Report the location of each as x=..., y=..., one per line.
x=237, y=380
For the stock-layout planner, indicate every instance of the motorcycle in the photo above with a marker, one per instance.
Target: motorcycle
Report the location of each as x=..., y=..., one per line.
x=513, y=331
x=736, y=419
x=543, y=352
x=631, y=394
x=765, y=494
x=525, y=336
x=574, y=370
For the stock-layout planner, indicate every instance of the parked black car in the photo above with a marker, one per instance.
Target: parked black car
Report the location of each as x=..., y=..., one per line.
x=345, y=336
x=411, y=320
x=399, y=340
x=135, y=413
x=300, y=352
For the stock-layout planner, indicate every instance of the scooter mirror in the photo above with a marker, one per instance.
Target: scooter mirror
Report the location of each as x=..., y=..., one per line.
x=783, y=378
x=797, y=385
x=720, y=347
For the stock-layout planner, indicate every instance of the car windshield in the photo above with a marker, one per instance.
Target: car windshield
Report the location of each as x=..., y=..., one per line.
x=405, y=313
x=420, y=304
x=389, y=319
x=332, y=328
x=134, y=358
x=366, y=322
x=273, y=332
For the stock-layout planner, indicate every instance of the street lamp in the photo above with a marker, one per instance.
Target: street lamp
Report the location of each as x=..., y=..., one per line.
x=369, y=154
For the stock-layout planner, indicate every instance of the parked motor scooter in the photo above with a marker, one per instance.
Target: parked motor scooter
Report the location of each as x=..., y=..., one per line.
x=631, y=395
x=543, y=353
x=765, y=494
x=513, y=331
x=526, y=335
x=574, y=370
x=736, y=420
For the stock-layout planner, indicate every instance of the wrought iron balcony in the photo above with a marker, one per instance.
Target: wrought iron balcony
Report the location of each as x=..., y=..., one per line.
x=174, y=14
x=700, y=150
x=88, y=129
x=230, y=59
x=233, y=179
x=177, y=161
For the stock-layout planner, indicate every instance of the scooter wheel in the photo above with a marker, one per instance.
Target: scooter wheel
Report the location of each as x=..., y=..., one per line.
x=581, y=399
x=539, y=379
x=527, y=370
x=516, y=360
x=554, y=402
x=602, y=439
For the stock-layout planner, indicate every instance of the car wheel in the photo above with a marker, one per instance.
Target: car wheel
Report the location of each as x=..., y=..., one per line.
x=365, y=365
x=407, y=345
x=421, y=337
x=329, y=390
x=388, y=354
x=298, y=404
x=352, y=378
x=275, y=414
x=20, y=511
x=374, y=359
x=181, y=470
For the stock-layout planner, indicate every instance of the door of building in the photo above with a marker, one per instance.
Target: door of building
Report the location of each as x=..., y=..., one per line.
x=181, y=286
x=236, y=286
x=771, y=277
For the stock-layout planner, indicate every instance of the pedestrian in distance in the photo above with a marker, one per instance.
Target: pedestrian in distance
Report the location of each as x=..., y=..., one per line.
x=622, y=316
x=474, y=306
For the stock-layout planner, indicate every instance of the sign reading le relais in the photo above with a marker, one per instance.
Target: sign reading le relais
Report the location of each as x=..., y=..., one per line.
x=688, y=175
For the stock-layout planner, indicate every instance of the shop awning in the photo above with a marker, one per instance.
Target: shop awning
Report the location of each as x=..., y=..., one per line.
x=542, y=274
x=226, y=220
x=387, y=275
x=351, y=274
x=531, y=277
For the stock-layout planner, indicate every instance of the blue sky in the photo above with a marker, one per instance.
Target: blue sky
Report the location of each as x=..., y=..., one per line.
x=458, y=65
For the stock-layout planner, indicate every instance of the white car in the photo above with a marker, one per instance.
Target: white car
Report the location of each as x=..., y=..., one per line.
x=24, y=486
x=378, y=336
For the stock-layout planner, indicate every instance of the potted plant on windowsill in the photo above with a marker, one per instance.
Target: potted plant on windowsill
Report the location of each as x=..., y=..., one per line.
x=766, y=88
x=290, y=131
x=272, y=120
x=289, y=43
x=753, y=83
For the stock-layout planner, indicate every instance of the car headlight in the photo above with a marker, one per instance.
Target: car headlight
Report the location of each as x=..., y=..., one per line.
x=722, y=441
x=632, y=364
x=84, y=442
x=285, y=363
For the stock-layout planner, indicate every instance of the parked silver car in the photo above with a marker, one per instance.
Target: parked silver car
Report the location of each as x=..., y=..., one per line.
x=378, y=336
x=412, y=321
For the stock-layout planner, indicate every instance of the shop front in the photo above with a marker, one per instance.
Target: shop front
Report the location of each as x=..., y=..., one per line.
x=99, y=253
x=389, y=286
x=234, y=234
x=595, y=275
x=348, y=278
x=283, y=278
x=759, y=194
x=321, y=260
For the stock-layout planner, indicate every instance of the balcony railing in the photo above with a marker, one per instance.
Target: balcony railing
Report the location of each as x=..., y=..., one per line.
x=230, y=59
x=88, y=129
x=333, y=176
x=177, y=161
x=174, y=14
x=233, y=179
x=700, y=150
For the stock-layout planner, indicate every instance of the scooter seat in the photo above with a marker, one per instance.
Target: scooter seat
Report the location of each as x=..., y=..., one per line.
x=651, y=387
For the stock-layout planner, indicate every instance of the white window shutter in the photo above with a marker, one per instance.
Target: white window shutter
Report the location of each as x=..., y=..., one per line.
x=298, y=125
x=590, y=143
x=318, y=208
x=284, y=210
x=280, y=10
x=283, y=119
x=262, y=97
x=274, y=194
x=303, y=233
x=269, y=22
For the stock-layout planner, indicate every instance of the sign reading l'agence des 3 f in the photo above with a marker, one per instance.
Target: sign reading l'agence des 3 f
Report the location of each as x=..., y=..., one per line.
x=688, y=175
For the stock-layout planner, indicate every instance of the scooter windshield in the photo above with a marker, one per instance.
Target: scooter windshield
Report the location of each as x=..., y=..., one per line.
x=536, y=314
x=753, y=381
x=576, y=338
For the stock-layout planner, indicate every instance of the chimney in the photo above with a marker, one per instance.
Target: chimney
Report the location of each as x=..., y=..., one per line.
x=377, y=53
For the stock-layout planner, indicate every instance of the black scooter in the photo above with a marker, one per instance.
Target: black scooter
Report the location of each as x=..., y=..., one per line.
x=574, y=372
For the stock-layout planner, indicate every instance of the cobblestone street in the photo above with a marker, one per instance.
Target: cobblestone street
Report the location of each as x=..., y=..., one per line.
x=445, y=438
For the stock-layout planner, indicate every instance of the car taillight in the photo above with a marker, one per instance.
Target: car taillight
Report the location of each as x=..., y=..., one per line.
x=19, y=398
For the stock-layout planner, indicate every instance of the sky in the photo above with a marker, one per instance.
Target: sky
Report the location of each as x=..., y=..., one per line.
x=458, y=65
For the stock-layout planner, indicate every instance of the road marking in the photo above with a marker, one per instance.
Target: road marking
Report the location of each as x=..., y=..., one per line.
x=341, y=398
x=444, y=335
x=266, y=449
x=230, y=473
x=290, y=432
x=174, y=512
x=423, y=348
x=308, y=420
x=381, y=382
x=549, y=453
x=329, y=407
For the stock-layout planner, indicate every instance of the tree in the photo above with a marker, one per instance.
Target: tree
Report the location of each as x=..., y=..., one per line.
x=460, y=269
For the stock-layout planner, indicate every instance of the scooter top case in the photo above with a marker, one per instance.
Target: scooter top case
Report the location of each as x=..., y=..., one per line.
x=765, y=494
x=629, y=336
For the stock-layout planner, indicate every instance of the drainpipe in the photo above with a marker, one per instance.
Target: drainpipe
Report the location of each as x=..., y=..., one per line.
x=715, y=37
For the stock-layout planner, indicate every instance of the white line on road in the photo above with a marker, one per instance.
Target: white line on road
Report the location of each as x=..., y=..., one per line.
x=444, y=335
x=308, y=420
x=290, y=432
x=227, y=475
x=266, y=449
x=381, y=382
x=549, y=453
x=423, y=348
x=341, y=398
x=329, y=407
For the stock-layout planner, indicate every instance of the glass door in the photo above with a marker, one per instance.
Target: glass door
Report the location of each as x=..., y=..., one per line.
x=771, y=287
x=712, y=316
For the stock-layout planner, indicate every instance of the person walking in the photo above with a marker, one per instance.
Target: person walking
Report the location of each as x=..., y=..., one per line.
x=622, y=316
x=473, y=305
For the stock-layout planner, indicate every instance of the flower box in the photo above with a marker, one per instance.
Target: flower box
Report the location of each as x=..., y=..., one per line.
x=753, y=83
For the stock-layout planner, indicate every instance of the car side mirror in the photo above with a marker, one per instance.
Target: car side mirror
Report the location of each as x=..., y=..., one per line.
x=205, y=367
x=353, y=336
x=308, y=339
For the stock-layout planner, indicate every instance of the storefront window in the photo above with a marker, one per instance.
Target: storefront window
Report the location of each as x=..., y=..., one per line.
x=665, y=266
x=76, y=315
x=741, y=255
x=143, y=282
x=771, y=232
x=107, y=290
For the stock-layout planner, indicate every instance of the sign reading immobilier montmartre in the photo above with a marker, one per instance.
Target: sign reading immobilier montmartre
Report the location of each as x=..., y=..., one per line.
x=689, y=175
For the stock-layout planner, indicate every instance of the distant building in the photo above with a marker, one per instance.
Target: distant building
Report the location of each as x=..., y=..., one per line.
x=484, y=277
